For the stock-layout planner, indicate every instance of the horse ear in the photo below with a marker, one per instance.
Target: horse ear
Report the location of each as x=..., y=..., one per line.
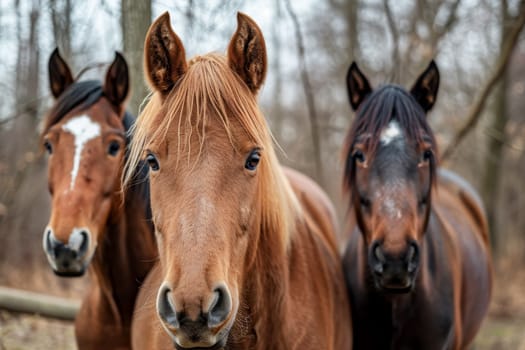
x=116, y=85
x=247, y=52
x=357, y=85
x=164, y=55
x=60, y=76
x=426, y=87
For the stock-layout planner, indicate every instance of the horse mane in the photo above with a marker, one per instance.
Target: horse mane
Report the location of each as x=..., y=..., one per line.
x=139, y=189
x=373, y=115
x=208, y=89
x=82, y=94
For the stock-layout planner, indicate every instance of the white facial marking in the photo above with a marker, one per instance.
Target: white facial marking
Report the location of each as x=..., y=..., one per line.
x=391, y=132
x=390, y=206
x=83, y=129
x=386, y=196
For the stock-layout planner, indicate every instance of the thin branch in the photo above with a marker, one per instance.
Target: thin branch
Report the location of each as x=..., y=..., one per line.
x=476, y=109
x=22, y=108
x=450, y=22
x=308, y=91
x=95, y=65
x=395, y=38
x=501, y=138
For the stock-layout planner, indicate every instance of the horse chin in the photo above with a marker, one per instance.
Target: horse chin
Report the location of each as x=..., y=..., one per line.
x=217, y=346
x=392, y=289
x=70, y=273
x=77, y=269
x=396, y=290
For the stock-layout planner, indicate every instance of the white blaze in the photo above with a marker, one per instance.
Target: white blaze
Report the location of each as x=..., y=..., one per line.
x=83, y=129
x=391, y=132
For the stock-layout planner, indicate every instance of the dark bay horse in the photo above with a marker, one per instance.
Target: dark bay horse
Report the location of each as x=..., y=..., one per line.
x=418, y=262
x=248, y=258
x=90, y=226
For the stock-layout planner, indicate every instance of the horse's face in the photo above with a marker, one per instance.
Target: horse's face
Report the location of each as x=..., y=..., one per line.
x=203, y=184
x=392, y=177
x=392, y=188
x=86, y=150
x=203, y=215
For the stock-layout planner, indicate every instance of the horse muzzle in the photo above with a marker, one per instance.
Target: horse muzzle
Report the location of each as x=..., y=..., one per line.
x=394, y=273
x=207, y=329
x=68, y=259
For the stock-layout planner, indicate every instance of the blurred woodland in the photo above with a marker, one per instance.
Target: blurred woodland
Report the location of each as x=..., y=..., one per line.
x=479, y=46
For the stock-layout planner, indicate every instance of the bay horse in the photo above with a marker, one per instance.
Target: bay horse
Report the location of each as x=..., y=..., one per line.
x=248, y=258
x=90, y=226
x=417, y=263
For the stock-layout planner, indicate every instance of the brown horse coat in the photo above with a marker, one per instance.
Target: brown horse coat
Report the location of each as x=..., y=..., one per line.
x=453, y=289
x=325, y=295
x=418, y=263
x=118, y=248
x=238, y=222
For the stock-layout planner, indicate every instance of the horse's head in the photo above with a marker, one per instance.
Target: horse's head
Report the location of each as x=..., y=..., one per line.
x=212, y=174
x=390, y=169
x=85, y=138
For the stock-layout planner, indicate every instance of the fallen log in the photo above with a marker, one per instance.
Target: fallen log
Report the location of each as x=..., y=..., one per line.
x=17, y=300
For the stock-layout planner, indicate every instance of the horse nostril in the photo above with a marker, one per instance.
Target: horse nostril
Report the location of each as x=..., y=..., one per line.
x=379, y=254
x=84, y=245
x=166, y=307
x=53, y=246
x=377, y=259
x=220, y=307
x=412, y=257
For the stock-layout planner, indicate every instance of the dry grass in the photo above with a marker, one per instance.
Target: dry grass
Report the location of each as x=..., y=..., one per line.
x=22, y=332
x=503, y=329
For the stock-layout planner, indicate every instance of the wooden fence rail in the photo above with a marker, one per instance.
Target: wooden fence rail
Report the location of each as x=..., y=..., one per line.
x=34, y=303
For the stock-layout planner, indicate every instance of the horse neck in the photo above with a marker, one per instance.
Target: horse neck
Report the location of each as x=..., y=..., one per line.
x=125, y=256
x=263, y=303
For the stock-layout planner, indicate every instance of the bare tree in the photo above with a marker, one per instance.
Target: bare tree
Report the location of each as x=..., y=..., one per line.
x=308, y=91
x=61, y=12
x=500, y=116
x=474, y=114
x=22, y=138
x=277, y=103
x=135, y=21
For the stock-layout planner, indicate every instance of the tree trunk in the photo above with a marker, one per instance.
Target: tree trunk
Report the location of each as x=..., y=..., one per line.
x=494, y=158
x=309, y=94
x=135, y=21
x=495, y=145
x=22, y=137
x=32, y=88
x=277, y=103
x=61, y=24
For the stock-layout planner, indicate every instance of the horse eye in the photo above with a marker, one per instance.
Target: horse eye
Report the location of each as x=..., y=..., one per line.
x=253, y=160
x=427, y=154
x=113, y=148
x=365, y=202
x=49, y=147
x=359, y=156
x=152, y=162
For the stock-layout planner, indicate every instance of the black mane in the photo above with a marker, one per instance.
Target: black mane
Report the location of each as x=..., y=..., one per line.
x=81, y=95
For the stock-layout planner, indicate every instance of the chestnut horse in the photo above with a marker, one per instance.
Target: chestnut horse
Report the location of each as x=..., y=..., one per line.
x=417, y=264
x=85, y=136
x=248, y=257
